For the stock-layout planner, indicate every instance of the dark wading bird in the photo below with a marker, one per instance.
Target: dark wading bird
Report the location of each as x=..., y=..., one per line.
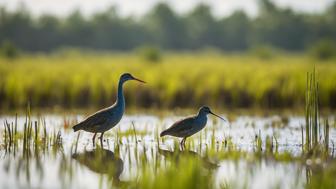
x=190, y=125
x=107, y=118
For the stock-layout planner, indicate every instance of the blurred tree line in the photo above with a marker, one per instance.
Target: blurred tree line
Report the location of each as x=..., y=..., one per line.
x=280, y=28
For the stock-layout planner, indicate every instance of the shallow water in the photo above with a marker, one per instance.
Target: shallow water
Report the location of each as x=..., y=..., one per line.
x=60, y=168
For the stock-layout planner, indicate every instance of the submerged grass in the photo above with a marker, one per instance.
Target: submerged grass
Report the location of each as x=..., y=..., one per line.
x=322, y=176
x=188, y=172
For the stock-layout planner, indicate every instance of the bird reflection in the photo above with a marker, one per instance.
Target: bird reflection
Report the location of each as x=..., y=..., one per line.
x=101, y=161
x=177, y=154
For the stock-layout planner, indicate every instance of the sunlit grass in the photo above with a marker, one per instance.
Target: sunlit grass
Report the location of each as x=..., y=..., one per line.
x=179, y=80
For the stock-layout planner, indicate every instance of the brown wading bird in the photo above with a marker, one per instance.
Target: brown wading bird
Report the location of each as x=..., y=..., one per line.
x=107, y=118
x=190, y=125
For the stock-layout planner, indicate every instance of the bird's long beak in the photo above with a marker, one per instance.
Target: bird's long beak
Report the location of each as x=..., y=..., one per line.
x=139, y=80
x=218, y=116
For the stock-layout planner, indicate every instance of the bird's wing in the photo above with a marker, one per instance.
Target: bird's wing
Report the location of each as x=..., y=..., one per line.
x=95, y=119
x=182, y=125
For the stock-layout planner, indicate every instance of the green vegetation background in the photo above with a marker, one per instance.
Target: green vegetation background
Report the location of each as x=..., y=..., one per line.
x=76, y=79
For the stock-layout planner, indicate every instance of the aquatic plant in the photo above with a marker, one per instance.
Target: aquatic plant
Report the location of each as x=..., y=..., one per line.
x=316, y=141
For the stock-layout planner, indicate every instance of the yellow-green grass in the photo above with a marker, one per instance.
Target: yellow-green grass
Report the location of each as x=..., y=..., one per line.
x=179, y=80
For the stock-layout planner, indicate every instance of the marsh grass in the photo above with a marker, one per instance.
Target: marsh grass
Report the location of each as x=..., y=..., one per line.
x=32, y=136
x=316, y=134
x=218, y=80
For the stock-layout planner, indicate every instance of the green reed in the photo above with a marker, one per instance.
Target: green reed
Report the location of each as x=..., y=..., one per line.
x=315, y=140
x=30, y=136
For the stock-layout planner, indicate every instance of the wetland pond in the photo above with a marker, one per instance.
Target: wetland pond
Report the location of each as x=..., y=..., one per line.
x=247, y=152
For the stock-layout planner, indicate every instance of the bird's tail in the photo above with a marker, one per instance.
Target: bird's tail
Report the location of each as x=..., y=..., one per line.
x=77, y=127
x=163, y=133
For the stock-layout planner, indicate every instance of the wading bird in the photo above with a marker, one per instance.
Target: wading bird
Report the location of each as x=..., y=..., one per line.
x=190, y=125
x=109, y=117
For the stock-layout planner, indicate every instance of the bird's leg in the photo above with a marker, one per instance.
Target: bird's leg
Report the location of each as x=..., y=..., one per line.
x=182, y=144
x=101, y=138
x=93, y=138
x=184, y=140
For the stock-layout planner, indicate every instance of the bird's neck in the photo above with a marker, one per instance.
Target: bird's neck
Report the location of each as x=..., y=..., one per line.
x=202, y=118
x=202, y=115
x=120, y=96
